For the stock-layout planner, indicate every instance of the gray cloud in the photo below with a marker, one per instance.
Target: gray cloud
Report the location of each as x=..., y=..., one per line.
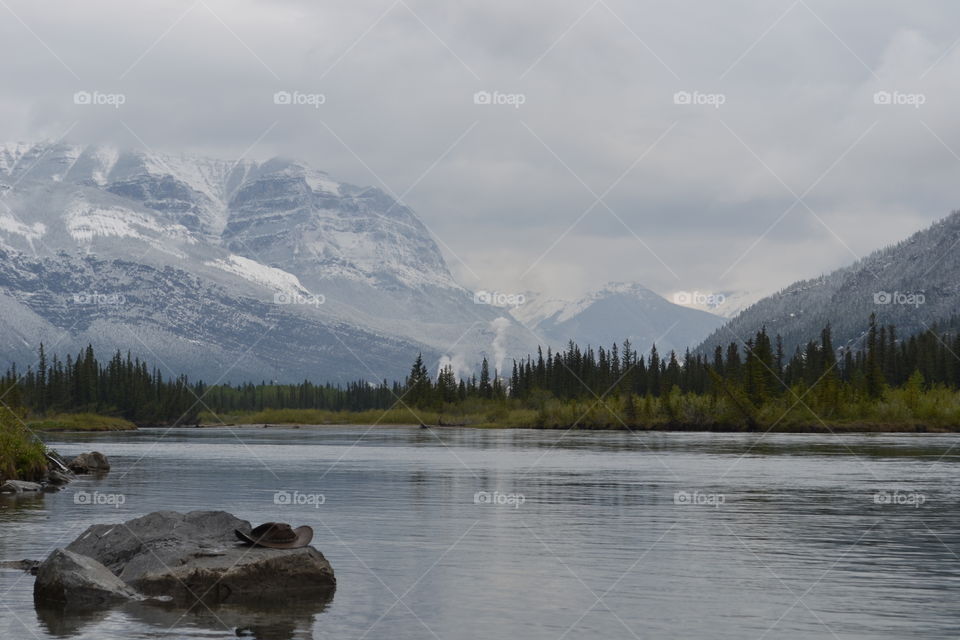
x=503, y=187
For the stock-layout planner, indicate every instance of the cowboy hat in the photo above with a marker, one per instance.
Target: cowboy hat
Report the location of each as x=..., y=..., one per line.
x=277, y=535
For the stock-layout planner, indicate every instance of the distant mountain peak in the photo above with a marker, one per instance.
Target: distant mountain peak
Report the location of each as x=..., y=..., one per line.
x=614, y=312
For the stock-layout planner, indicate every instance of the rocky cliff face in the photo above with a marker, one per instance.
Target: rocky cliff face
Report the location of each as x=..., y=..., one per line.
x=245, y=270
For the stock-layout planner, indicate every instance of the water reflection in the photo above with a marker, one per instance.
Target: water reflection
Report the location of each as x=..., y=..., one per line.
x=291, y=620
x=65, y=622
x=11, y=503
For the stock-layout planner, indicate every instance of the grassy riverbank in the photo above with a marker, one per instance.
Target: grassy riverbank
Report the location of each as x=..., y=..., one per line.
x=898, y=410
x=80, y=422
x=22, y=455
x=399, y=416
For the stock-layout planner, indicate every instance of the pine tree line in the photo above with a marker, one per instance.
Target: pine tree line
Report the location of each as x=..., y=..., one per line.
x=758, y=367
x=123, y=386
x=748, y=374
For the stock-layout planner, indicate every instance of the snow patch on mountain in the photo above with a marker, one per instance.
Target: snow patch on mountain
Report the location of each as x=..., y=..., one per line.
x=85, y=222
x=31, y=232
x=10, y=155
x=261, y=274
x=105, y=159
x=722, y=303
x=320, y=182
x=64, y=162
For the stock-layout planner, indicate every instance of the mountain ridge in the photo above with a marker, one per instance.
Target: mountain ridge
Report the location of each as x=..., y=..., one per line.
x=913, y=284
x=618, y=311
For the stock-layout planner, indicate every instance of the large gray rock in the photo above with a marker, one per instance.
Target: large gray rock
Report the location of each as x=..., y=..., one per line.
x=196, y=556
x=93, y=462
x=77, y=580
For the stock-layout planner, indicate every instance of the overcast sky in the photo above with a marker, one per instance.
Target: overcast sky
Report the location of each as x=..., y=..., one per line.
x=786, y=169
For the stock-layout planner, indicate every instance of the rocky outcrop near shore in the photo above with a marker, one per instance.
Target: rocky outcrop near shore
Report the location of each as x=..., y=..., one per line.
x=59, y=472
x=20, y=486
x=93, y=462
x=183, y=558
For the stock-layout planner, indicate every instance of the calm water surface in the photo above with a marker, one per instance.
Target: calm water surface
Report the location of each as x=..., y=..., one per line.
x=538, y=534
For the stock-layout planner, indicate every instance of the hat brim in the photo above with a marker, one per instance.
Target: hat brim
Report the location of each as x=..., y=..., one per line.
x=304, y=536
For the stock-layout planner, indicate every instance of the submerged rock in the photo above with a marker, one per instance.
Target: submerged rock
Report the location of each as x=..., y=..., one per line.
x=73, y=579
x=195, y=556
x=19, y=486
x=30, y=566
x=93, y=462
x=59, y=478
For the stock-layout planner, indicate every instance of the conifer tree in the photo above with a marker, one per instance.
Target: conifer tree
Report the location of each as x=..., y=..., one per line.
x=486, y=390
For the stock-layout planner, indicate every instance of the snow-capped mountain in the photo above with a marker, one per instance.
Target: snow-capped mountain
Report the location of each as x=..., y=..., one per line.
x=726, y=304
x=913, y=285
x=246, y=270
x=615, y=312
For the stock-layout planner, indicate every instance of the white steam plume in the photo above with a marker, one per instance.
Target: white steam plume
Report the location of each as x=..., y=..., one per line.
x=499, y=326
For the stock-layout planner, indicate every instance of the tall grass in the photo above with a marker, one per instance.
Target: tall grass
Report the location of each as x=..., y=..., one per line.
x=81, y=422
x=22, y=455
x=320, y=416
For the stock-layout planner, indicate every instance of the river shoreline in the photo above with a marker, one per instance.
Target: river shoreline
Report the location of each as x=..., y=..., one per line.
x=665, y=428
x=90, y=423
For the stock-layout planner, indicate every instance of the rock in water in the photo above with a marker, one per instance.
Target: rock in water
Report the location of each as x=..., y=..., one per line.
x=196, y=556
x=59, y=478
x=93, y=462
x=19, y=486
x=73, y=579
x=30, y=566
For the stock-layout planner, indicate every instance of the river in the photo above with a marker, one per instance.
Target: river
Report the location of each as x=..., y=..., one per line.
x=471, y=533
